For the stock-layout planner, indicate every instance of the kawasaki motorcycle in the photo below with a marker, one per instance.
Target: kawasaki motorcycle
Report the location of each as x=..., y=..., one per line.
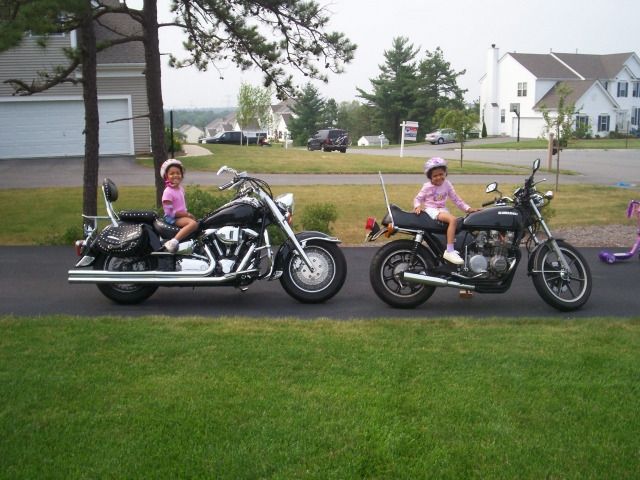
x=230, y=248
x=405, y=272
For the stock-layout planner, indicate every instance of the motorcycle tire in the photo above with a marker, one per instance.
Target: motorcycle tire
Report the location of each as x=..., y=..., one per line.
x=330, y=272
x=386, y=268
x=125, y=293
x=563, y=292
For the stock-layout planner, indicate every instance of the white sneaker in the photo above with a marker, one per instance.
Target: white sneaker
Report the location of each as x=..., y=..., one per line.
x=171, y=246
x=453, y=257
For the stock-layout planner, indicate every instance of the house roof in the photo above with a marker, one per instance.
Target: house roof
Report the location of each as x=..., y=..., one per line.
x=284, y=106
x=116, y=25
x=578, y=89
x=595, y=66
x=544, y=66
x=573, y=66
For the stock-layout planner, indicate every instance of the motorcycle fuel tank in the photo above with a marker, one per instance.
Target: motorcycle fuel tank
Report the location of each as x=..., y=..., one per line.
x=236, y=213
x=494, y=218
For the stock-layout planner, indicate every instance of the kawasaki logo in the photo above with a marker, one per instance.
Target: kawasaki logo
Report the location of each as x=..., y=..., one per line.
x=508, y=213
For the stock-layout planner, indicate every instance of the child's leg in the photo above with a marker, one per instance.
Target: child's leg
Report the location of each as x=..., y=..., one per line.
x=451, y=227
x=187, y=227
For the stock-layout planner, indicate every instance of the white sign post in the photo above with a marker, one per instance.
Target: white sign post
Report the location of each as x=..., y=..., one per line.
x=409, y=132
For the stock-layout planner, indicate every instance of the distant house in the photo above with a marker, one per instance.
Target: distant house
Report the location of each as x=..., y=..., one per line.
x=51, y=123
x=222, y=124
x=281, y=115
x=192, y=134
x=372, y=141
x=605, y=91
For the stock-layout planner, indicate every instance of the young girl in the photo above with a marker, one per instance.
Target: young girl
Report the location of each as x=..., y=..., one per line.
x=174, y=203
x=433, y=196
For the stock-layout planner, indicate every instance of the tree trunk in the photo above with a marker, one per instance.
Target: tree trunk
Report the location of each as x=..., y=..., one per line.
x=153, y=75
x=91, y=116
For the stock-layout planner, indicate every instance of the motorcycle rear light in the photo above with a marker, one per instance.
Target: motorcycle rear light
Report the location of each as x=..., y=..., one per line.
x=79, y=244
x=371, y=221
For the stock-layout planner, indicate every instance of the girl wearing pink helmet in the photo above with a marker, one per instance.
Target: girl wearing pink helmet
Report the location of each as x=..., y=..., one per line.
x=432, y=198
x=174, y=203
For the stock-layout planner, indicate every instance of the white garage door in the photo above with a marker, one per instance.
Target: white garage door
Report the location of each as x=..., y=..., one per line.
x=53, y=128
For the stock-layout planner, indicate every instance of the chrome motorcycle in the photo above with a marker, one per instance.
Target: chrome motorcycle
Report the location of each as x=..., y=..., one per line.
x=230, y=248
x=404, y=273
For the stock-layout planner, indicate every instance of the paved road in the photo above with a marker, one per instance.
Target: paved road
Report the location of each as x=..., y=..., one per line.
x=33, y=281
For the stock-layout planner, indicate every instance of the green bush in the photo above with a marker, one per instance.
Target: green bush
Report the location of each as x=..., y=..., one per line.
x=318, y=217
x=200, y=202
x=178, y=139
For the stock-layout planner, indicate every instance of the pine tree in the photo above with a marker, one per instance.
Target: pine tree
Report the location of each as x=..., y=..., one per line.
x=394, y=90
x=309, y=115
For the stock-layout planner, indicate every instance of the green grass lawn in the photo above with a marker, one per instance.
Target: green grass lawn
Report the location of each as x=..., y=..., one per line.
x=289, y=399
x=296, y=160
x=58, y=208
x=594, y=143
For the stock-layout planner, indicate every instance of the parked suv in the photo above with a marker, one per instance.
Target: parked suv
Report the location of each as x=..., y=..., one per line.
x=328, y=140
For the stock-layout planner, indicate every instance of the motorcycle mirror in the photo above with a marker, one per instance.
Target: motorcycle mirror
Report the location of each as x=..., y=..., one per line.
x=492, y=187
x=536, y=165
x=222, y=169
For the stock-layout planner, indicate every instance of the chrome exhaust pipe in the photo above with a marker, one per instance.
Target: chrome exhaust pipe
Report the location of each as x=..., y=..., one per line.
x=171, y=280
x=434, y=281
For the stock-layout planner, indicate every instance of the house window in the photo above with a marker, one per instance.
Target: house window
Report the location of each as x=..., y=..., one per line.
x=603, y=123
x=522, y=89
x=582, y=122
x=635, y=116
x=502, y=116
x=623, y=88
x=636, y=89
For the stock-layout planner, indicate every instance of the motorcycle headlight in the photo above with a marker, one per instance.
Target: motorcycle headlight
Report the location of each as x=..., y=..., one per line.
x=285, y=202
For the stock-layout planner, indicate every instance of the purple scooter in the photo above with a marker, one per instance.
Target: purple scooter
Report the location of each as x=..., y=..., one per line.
x=608, y=257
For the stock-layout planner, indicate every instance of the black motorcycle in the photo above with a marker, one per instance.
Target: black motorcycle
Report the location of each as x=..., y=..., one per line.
x=230, y=248
x=404, y=273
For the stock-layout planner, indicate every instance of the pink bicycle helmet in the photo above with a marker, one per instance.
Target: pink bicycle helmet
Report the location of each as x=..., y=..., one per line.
x=169, y=163
x=435, y=162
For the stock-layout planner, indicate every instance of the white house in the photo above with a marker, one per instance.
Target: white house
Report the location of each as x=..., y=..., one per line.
x=191, y=133
x=605, y=91
x=372, y=141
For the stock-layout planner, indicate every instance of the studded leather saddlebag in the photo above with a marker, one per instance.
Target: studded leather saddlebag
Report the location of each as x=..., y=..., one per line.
x=129, y=240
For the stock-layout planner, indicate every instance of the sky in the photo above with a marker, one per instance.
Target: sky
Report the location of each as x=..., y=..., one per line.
x=463, y=29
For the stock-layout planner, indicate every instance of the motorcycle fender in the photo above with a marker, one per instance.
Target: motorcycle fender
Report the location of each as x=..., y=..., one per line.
x=287, y=247
x=534, y=254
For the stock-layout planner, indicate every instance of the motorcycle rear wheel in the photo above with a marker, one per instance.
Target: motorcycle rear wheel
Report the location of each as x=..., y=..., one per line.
x=125, y=293
x=387, y=267
x=563, y=292
x=330, y=272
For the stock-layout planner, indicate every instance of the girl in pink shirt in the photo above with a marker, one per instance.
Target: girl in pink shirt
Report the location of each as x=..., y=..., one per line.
x=174, y=203
x=432, y=198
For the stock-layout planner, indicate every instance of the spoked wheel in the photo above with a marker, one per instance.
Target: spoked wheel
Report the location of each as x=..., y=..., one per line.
x=324, y=281
x=386, y=270
x=563, y=289
x=126, y=293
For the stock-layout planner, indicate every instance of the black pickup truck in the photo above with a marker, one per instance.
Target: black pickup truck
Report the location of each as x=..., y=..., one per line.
x=236, y=137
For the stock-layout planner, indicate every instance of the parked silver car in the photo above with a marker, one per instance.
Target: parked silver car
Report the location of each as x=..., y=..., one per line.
x=443, y=135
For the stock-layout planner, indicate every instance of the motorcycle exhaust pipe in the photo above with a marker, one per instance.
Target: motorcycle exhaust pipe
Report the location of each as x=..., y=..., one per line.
x=434, y=281
x=164, y=281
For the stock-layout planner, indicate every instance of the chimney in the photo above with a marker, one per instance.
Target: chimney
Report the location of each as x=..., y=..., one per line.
x=492, y=74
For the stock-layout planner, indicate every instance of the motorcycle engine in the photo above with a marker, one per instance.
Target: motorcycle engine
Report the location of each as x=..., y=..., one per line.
x=490, y=253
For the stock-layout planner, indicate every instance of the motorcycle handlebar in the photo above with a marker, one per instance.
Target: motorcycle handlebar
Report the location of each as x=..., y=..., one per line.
x=490, y=202
x=226, y=185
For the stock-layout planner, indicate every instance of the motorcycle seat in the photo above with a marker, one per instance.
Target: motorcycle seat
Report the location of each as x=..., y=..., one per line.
x=405, y=219
x=163, y=229
x=138, y=216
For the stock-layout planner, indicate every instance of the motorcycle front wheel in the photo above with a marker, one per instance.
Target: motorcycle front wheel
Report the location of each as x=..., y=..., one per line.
x=562, y=290
x=326, y=279
x=387, y=267
x=125, y=293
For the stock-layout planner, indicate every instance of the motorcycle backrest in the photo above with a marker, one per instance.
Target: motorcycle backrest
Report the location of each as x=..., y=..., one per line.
x=110, y=190
x=386, y=197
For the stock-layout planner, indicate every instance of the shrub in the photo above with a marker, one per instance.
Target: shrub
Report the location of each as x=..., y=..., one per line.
x=68, y=237
x=200, y=202
x=318, y=217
